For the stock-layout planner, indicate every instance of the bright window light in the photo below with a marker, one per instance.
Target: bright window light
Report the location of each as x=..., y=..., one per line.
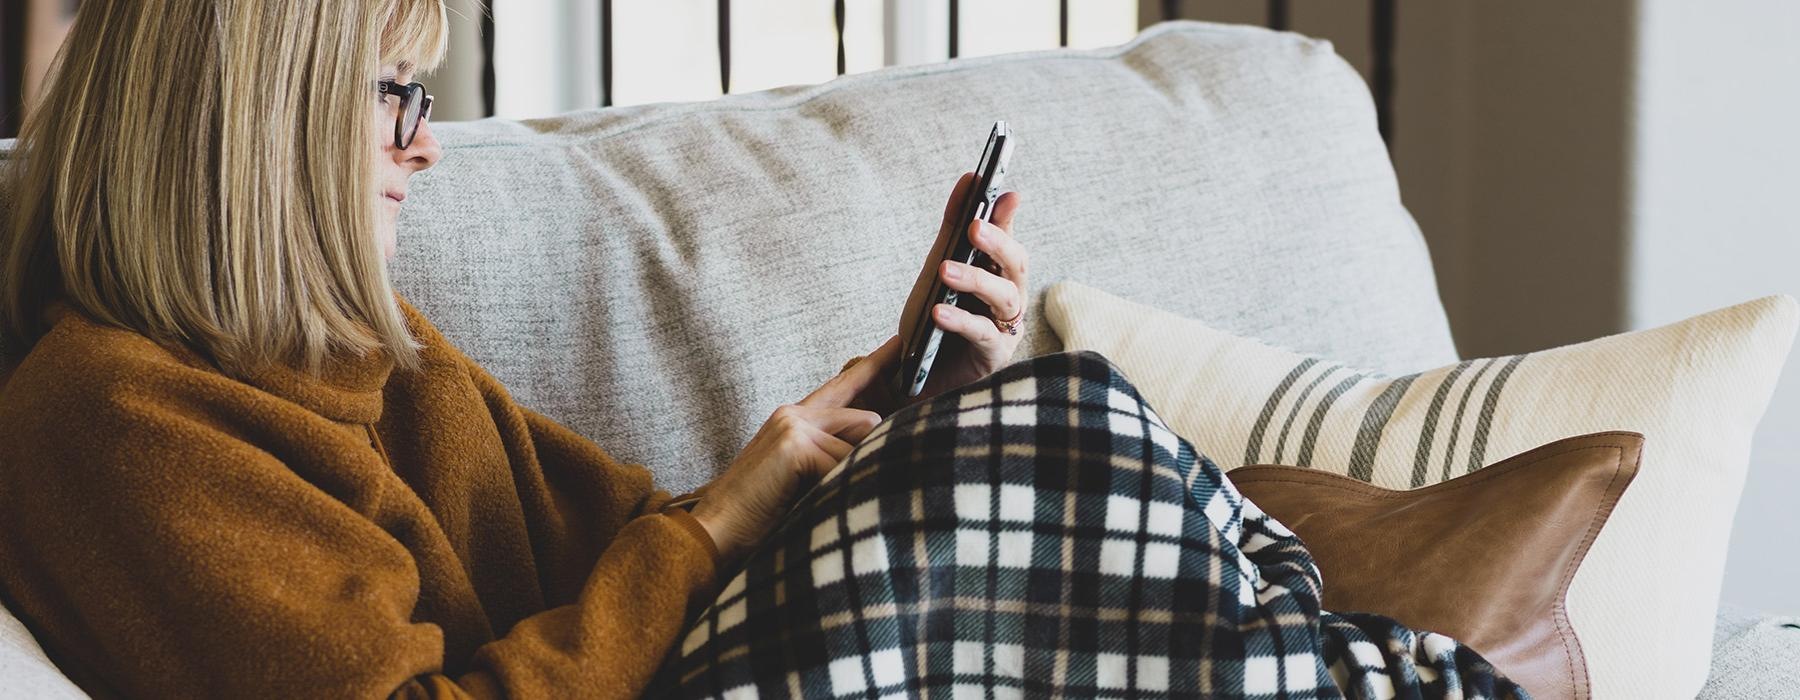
x=667, y=50
x=1096, y=23
x=1006, y=26
x=547, y=51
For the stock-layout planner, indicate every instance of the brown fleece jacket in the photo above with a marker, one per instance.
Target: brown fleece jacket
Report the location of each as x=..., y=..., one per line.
x=167, y=531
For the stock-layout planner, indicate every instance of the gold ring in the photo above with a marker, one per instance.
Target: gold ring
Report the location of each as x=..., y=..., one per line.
x=1011, y=327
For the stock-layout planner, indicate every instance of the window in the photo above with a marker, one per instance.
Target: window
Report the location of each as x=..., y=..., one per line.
x=547, y=53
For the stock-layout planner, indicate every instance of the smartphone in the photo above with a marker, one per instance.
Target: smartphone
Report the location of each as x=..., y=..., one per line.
x=924, y=339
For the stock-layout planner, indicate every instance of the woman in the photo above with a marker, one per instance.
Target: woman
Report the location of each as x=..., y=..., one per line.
x=234, y=463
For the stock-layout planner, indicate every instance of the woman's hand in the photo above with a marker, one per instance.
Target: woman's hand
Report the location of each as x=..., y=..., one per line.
x=975, y=344
x=798, y=444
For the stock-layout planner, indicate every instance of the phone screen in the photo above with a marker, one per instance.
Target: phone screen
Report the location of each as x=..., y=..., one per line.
x=922, y=345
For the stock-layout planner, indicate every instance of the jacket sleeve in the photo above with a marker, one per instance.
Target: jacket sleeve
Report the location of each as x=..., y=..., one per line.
x=213, y=569
x=634, y=602
x=610, y=642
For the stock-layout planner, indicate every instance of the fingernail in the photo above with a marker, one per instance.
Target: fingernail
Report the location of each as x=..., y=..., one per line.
x=951, y=273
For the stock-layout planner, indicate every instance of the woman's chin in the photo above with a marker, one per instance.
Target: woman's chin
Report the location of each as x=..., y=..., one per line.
x=389, y=246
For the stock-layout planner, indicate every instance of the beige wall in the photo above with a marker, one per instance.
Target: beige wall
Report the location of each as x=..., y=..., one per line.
x=46, y=23
x=1587, y=168
x=456, y=86
x=1714, y=221
x=1510, y=144
x=1580, y=169
x=1524, y=104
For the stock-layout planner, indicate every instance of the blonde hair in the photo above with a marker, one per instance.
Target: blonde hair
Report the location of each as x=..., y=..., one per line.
x=199, y=171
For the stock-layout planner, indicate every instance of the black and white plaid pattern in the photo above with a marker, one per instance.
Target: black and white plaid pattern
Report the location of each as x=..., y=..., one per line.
x=1043, y=532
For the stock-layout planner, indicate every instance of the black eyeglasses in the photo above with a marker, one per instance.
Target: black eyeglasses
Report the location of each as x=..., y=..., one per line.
x=415, y=107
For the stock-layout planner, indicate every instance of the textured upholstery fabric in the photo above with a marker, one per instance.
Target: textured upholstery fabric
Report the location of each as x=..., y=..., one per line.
x=24, y=670
x=1644, y=600
x=662, y=277
x=1754, y=656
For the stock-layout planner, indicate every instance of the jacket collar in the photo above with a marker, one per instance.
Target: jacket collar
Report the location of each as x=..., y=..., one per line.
x=346, y=389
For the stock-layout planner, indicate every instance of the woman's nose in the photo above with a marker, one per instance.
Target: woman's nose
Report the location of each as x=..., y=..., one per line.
x=424, y=151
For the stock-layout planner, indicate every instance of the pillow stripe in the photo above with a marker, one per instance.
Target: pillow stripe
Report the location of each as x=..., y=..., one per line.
x=1268, y=412
x=1281, y=443
x=1375, y=421
x=1422, y=455
x=1488, y=381
x=1304, y=459
x=1478, y=446
x=1462, y=408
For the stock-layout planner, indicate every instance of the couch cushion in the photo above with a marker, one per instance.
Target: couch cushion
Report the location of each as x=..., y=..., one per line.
x=1755, y=656
x=24, y=670
x=661, y=277
x=1485, y=557
x=1647, y=592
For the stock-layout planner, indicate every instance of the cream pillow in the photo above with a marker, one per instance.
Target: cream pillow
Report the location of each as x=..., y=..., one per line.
x=1643, y=602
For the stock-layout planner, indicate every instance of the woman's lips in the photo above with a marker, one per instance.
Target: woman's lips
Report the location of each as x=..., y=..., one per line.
x=396, y=196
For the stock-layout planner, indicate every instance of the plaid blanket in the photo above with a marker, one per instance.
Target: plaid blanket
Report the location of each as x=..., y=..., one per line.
x=1043, y=532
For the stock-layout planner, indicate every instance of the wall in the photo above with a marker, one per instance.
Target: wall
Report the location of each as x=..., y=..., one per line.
x=1588, y=168
x=456, y=85
x=1715, y=220
x=1512, y=153
x=1581, y=169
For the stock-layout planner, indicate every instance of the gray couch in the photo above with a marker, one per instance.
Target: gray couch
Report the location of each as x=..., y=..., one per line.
x=661, y=277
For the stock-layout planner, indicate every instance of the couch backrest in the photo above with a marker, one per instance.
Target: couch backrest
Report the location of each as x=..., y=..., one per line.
x=661, y=277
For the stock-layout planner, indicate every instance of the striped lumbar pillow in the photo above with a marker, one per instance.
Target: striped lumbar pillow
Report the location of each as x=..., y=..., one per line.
x=1643, y=602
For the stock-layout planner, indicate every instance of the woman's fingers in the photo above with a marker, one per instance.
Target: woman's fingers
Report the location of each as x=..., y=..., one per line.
x=1007, y=252
x=852, y=424
x=954, y=203
x=978, y=330
x=1002, y=292
x=854, y=379
x=796, y=444
x=833, y=447
x=1004, y=208
x=883, y=357
x=999, y=293
x=818, y=438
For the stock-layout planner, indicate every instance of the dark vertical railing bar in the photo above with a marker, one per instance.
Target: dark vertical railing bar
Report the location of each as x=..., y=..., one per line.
x=955, y=25
x=12, y=67
x=1171, y=9
x=837, y=10
x=487, y=61
x=1278, y=15
x=606, y=53
x=724, y=47
x=1381, y=68
x=1062, y=23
